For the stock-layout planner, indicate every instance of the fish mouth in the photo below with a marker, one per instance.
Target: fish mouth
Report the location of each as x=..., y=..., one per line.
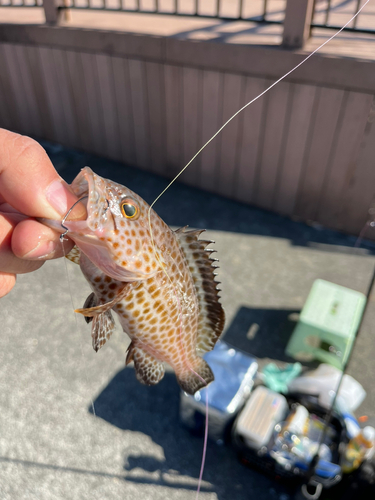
x=91, y=191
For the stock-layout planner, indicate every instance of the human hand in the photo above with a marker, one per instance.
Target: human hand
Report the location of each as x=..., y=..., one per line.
x=29, y=187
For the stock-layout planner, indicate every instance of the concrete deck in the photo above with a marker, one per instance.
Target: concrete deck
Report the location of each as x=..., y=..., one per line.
x=76, y=425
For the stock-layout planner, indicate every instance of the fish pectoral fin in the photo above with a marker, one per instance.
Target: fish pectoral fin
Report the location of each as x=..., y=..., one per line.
x=90, y=302
x=196, y=378
x=99, y=309
x=148, y=370
x=102, y=328
x=74, y=255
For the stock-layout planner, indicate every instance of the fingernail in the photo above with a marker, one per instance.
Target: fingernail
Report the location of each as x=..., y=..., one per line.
x=62, y=200
x=57, y=195
x=42, y=251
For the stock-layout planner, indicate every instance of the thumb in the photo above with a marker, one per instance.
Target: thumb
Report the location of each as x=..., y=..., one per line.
x=29, y=182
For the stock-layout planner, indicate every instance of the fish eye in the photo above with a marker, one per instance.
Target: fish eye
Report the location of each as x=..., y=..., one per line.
x=129, y=208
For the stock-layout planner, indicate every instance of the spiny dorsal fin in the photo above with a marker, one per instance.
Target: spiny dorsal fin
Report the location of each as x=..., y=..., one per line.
x=211, y=314
x=74, y=255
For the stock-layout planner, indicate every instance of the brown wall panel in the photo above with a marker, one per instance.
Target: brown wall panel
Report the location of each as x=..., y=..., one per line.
x=125, y=118
x=138, y=86
x=320, y=142
x=67, y=97
x=173, y=114
x=191, y=122
x=249, y=140
x=303, y=150
x=156, y=112
x=303, y=99
x=212, y=93
x=108, y=100
x=278, y=100
x=233, y=95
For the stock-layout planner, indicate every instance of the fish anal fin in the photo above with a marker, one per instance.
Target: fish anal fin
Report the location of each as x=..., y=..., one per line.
x=74, y=255
x=102, y=328
x=148, y=370
x=196, y=378
x=202, y=267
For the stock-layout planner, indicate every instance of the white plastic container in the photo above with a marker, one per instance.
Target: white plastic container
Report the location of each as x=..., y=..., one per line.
x=323, y=382
x=256, y=422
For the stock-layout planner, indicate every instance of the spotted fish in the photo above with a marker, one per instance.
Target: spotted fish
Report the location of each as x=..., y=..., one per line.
x=161, y=284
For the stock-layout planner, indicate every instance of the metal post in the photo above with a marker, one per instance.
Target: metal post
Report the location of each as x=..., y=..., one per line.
x=51, y=10
x=298, y=17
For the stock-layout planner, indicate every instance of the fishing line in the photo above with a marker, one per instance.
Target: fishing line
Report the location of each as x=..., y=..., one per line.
x=198, y=153
x=253, y=100
x=204, y=449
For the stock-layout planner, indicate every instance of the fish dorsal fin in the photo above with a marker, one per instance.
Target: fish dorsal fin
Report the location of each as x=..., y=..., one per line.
x=74, y=255
x=201, y=264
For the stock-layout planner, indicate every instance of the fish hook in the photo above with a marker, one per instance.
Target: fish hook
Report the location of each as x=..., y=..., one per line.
x=66, y=216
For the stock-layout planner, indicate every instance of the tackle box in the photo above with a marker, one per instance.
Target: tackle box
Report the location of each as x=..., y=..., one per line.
x=273, y=456
x=234, y=373
x=256, y=422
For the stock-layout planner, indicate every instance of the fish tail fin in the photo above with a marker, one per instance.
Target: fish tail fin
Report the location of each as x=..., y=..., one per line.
x=196, y=378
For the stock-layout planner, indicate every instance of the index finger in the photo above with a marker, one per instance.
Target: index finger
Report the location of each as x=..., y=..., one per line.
x=29, y=182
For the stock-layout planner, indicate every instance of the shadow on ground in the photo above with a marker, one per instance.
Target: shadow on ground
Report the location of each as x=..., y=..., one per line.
x=153, y=411
x=263, y=333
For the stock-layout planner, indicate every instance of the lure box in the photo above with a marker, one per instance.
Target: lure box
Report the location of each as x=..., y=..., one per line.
x=293, y=441
x=256, y=422
x=234, y=378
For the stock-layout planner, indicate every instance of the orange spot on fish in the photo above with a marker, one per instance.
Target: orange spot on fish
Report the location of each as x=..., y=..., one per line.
x=115, y=245
x=108, y=279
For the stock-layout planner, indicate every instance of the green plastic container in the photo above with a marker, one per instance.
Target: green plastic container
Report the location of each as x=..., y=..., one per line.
x=328, y=323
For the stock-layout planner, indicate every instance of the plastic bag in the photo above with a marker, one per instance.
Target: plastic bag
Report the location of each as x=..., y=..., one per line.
x=323, y=383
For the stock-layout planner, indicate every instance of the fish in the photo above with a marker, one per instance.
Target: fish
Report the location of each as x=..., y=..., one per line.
x=160, y=282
